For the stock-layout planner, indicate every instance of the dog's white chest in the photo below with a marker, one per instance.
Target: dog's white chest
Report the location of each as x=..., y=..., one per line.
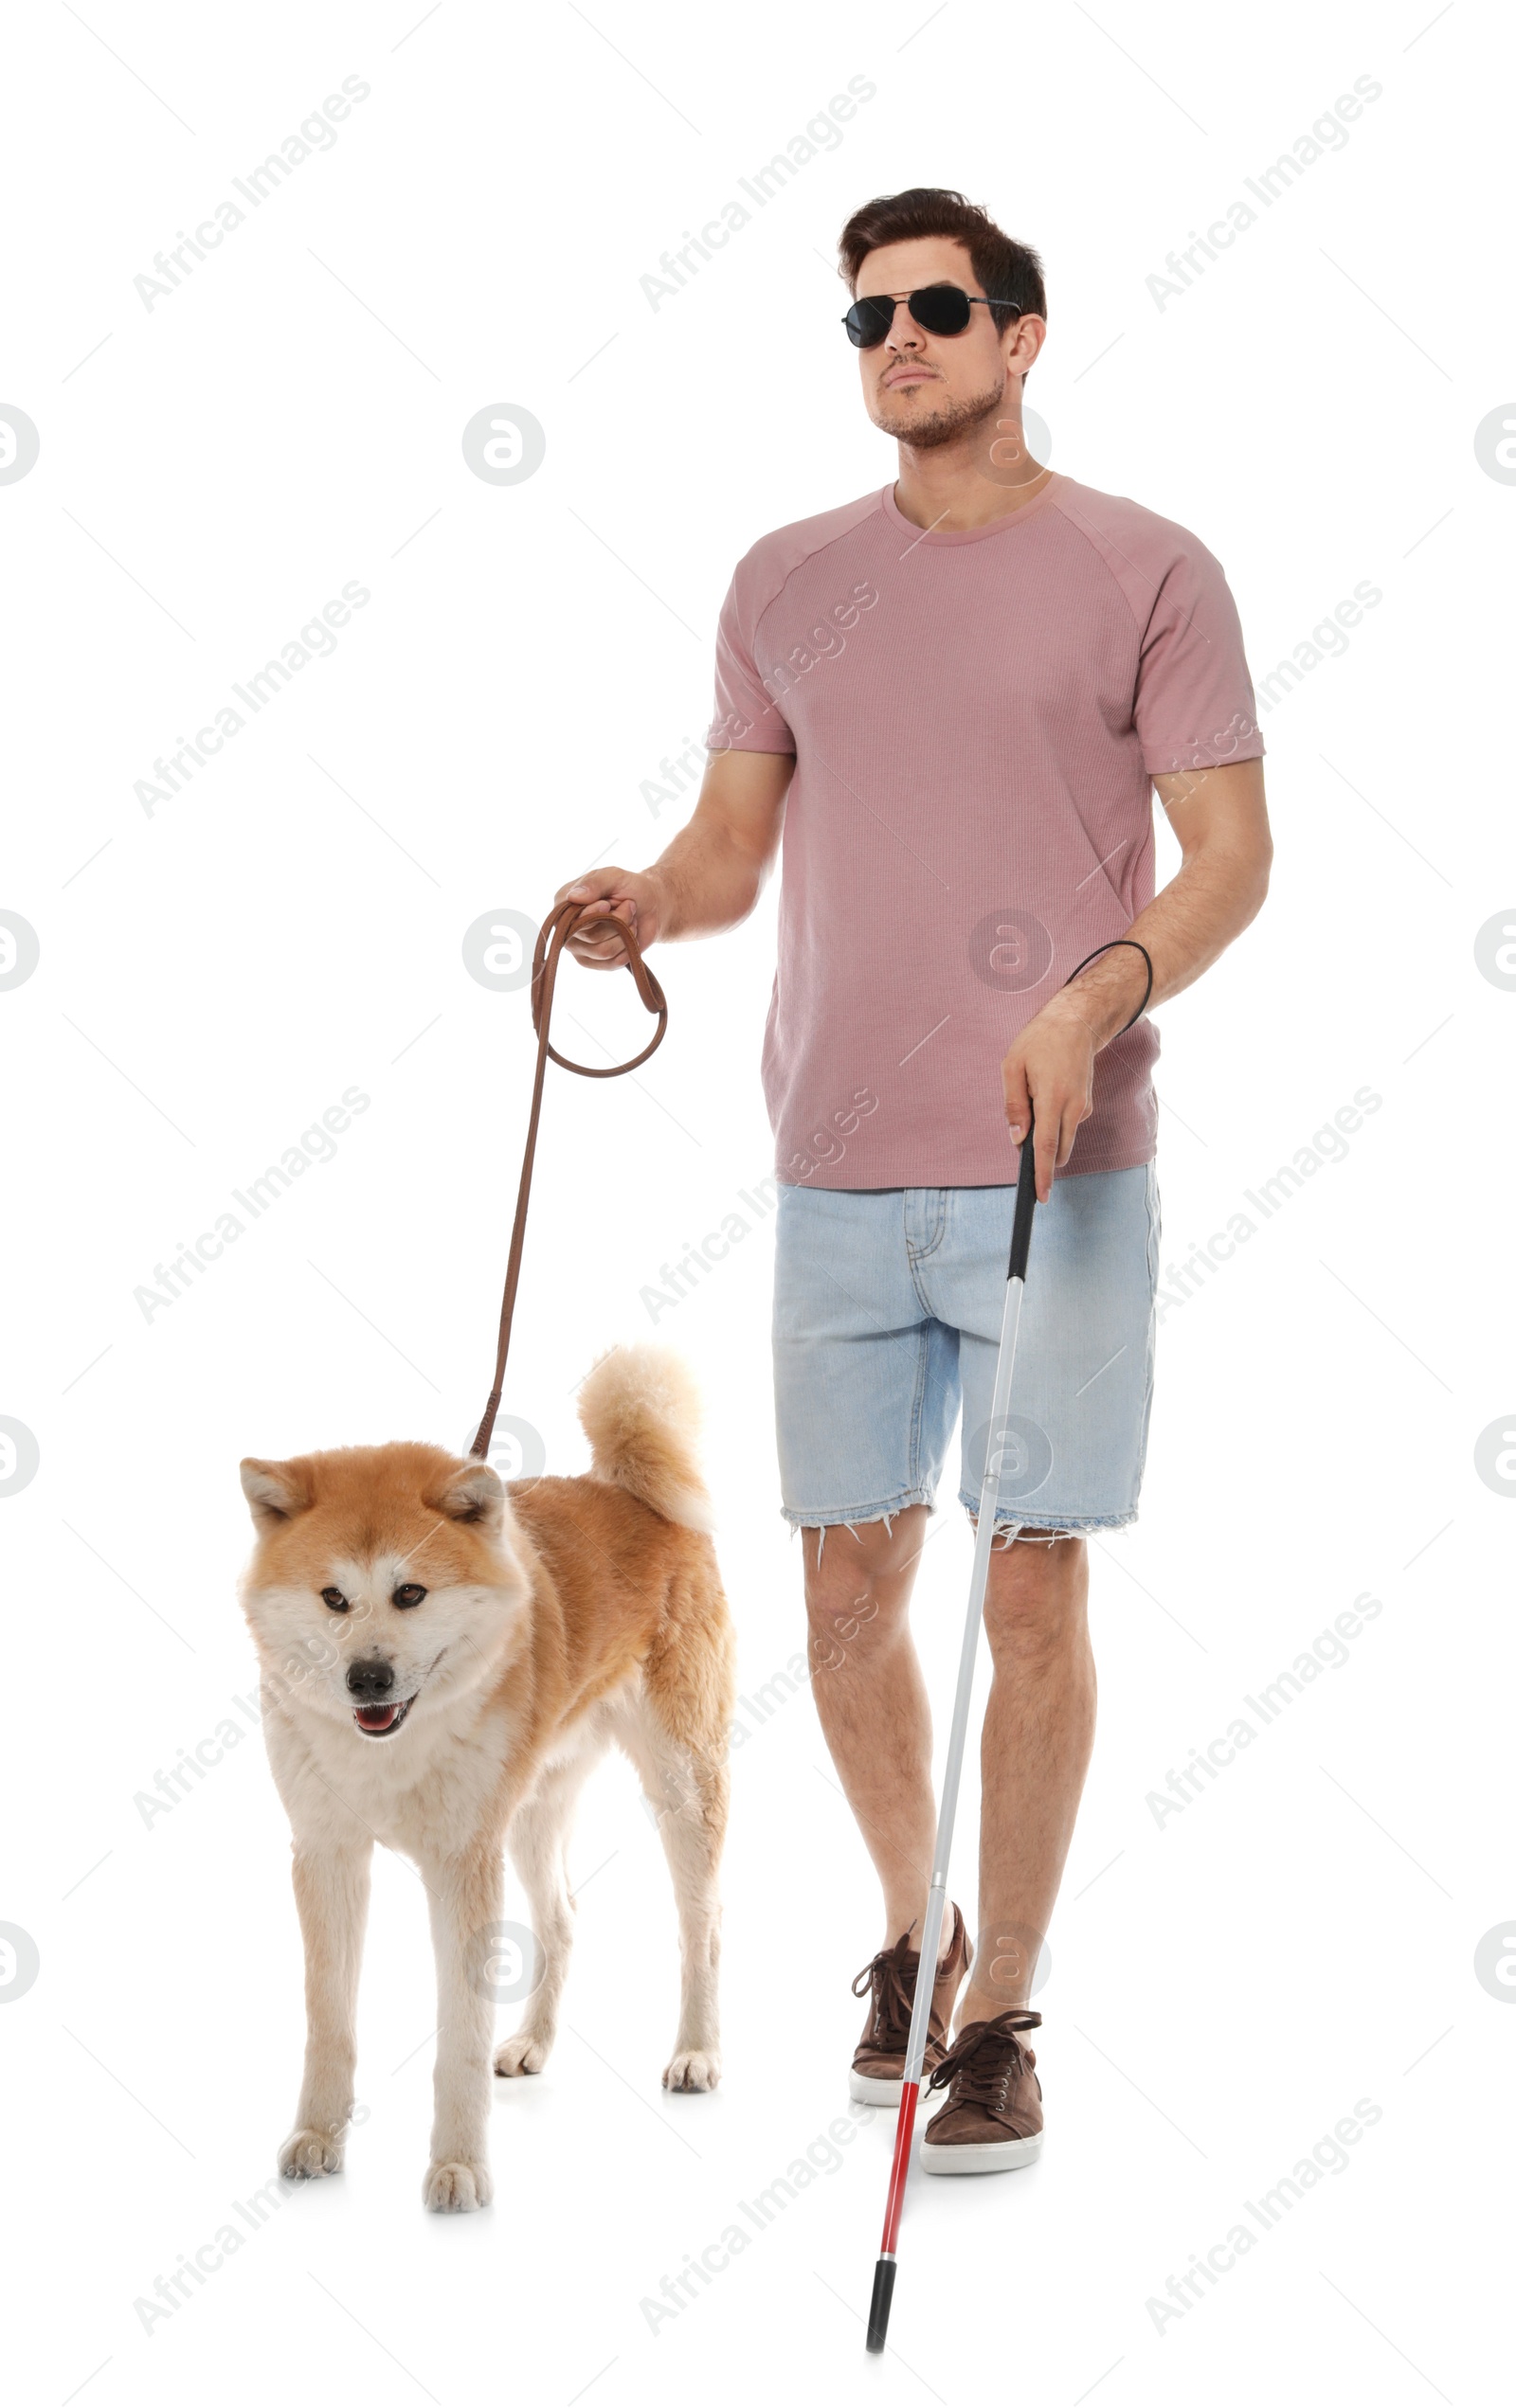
x=432, y=1791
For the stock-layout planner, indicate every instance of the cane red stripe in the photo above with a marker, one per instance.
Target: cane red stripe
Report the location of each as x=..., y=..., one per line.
x=909, y=2092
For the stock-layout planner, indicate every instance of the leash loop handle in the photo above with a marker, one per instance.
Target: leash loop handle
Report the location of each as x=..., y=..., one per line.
x=552, y=938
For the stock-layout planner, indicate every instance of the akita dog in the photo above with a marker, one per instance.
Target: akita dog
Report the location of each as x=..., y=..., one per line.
x=445, y=1656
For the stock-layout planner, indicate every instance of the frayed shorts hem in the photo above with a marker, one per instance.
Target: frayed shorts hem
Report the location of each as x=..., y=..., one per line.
x=1007, y=1521
x=1067, y=1525
x=844, y=1515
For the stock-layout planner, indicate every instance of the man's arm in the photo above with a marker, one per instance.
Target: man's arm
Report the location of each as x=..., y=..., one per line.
x=711, y=875
x=1222, y=825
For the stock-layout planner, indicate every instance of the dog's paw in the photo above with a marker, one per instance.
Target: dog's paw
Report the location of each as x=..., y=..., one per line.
x=456, y=2187
x=693, y=2069
x=308, y=2153
x=523, y=2053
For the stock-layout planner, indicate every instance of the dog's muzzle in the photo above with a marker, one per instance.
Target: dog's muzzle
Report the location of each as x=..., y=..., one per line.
x=380, y=1721
x=375, y=1711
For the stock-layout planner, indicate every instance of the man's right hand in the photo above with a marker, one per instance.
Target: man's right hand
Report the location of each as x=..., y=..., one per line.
x=708, y=878
x=635, y=896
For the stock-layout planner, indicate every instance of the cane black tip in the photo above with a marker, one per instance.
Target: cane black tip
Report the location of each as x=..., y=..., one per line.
x=879, y=2304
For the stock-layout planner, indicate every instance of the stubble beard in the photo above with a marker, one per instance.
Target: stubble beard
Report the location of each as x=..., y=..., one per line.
x=942, y=425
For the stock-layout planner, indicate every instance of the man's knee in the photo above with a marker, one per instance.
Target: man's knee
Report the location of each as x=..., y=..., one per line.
x=858, y=1577
x=1035, y=1601
x=882, y=1548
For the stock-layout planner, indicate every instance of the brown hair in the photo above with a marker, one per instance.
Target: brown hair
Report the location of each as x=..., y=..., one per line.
x=1007, y=271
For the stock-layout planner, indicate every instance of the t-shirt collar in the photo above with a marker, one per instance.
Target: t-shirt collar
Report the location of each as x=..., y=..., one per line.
x=1001, y=525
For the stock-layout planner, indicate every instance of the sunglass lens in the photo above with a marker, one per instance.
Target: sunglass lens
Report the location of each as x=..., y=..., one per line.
x=942, y=309
x=869, y=322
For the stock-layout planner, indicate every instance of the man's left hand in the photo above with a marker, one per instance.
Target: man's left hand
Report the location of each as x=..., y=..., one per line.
x=1049, y=1076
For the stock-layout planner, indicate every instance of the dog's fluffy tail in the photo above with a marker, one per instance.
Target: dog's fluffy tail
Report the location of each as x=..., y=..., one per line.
x=640, y=1412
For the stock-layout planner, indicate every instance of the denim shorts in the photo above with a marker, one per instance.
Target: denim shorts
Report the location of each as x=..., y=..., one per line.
x=886, y=1319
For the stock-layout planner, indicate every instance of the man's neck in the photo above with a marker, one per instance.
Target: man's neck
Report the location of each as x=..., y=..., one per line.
x=970, y=483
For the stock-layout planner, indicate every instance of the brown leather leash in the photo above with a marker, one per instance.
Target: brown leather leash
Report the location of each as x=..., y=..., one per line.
x=552, y=938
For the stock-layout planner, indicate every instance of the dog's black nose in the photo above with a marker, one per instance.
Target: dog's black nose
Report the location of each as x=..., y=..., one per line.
x=372, y=1679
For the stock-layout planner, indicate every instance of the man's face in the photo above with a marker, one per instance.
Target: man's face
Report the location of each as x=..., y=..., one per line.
x=925, y=389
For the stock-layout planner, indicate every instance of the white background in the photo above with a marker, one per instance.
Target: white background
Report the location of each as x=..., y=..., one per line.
x=1225, y=1985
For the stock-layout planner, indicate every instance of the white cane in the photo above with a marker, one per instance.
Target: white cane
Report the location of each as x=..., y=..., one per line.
x=937, y=1896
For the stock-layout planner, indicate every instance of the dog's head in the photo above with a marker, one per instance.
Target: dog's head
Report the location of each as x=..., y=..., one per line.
x=385, y=1580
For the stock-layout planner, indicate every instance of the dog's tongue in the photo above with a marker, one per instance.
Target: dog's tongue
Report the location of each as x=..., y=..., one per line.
x=374, y=1717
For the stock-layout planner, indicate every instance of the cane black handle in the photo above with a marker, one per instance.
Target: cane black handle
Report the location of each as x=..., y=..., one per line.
x=1025, y=1206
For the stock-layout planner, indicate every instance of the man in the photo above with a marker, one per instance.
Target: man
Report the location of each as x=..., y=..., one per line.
x=952, y=698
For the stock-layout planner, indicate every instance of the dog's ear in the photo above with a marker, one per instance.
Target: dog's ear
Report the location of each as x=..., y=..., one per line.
x=276, y=1492
x=471, y=1492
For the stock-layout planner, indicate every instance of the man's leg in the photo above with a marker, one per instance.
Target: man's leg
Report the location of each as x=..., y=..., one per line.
x=1035, y=1752
x=872, y=1700
x=1039, y=1726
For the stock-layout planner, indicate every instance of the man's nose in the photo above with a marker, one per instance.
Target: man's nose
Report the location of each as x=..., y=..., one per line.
x=373, y=1680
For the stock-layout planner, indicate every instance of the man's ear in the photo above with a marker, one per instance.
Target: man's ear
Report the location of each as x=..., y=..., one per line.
x=471, y=1492
x=276, y=1492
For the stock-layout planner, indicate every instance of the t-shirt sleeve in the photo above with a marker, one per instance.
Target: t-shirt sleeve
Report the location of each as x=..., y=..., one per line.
x=1195, y=706
x=746, y=718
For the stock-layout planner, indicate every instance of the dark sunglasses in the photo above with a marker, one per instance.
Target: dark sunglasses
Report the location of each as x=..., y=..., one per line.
x=938, y=309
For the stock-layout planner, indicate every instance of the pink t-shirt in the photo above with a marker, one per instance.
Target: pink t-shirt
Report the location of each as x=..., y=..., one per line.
x=975, y=718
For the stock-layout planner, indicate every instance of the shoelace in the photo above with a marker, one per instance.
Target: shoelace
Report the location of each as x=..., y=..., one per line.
x=985, y=2060
x=885, y=1975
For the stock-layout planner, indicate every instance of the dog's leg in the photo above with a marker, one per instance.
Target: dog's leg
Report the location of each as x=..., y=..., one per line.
x=537, y=1839
x=465, y=1894
x=332, y=1893
x=687, y=1786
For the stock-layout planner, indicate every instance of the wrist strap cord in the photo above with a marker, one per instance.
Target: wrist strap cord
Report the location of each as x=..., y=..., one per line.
x=1109, y=948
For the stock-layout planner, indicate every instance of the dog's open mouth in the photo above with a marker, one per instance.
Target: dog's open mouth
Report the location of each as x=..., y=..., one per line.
x=378, y=1722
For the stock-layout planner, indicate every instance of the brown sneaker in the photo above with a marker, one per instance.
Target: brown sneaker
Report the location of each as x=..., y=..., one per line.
x=993, y=2117
x=890, y=1978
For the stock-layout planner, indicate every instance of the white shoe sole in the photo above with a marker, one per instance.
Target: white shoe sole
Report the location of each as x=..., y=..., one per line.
x=980, y=2157
x=873, y=2090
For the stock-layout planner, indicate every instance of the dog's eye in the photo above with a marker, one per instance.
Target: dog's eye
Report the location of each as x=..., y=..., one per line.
x=410, y=1594
x=334, y=1598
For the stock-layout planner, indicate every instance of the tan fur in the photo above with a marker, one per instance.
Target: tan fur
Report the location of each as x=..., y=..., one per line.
x=640, y=1412
x=561, y=1616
